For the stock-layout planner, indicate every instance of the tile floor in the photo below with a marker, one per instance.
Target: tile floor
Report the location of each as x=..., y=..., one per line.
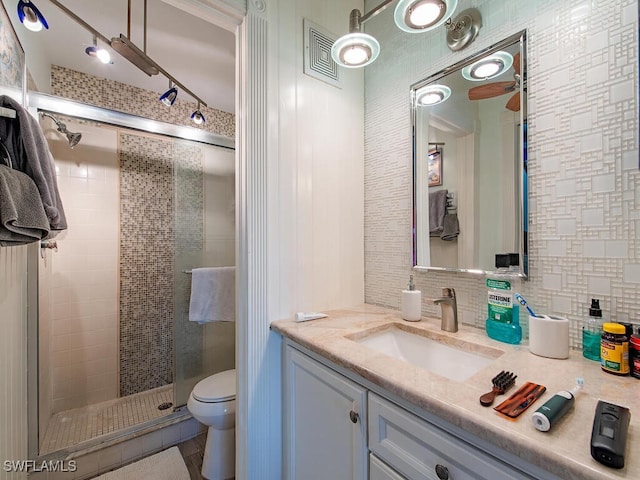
x=192, y=452
x=71, y=427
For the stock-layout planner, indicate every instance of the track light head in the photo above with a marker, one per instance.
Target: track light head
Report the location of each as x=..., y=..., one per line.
x=97, y=52
x=30, y=16
x=169, y=96
x=198, y=117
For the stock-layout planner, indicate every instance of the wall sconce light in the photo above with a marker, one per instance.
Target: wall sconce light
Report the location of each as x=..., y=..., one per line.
x=432, y=95
x=99, y=53
x=169, y=97
x=415, y=16
x=198, y=117
x=463, y=29
x=358, y=49
x=31, y=17
x=488, y=67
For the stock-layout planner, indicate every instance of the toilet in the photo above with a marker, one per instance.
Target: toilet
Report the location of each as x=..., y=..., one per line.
x=213, y=403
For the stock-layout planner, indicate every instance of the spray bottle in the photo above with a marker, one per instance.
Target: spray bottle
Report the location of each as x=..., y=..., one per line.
x=555, y=408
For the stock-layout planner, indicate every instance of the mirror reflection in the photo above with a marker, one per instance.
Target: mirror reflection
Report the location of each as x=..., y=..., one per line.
x=470, y=161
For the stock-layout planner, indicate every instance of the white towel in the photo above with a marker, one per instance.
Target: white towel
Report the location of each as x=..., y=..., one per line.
x=213, y=295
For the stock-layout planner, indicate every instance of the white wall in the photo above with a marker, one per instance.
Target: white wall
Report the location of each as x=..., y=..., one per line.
x=13, y=357
x=84, y=270
x=301, y=216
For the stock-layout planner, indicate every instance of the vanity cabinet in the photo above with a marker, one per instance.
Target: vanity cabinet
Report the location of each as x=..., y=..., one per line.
x=329, y=417
x=419, y=450
x=325, y=422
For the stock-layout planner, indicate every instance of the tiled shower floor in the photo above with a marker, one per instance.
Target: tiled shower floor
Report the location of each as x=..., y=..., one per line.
x=80, y=424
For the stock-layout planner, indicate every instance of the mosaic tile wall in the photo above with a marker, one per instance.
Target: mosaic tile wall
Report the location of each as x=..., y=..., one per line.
x=146, y=263
x=98, y=91
x=189, y=240
x=583, y=157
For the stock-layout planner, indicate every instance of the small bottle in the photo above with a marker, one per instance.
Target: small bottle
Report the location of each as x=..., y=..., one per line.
x=411, y=304
x=555, y=408
x=592, y=332
x=614, y=349
x=503, y=312
x=634, y=356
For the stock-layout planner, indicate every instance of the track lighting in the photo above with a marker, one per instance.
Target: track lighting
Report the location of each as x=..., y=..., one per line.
x=198, y=117
x=31, y=17
x=357, y=49
x=169, y=96
x=97, y=52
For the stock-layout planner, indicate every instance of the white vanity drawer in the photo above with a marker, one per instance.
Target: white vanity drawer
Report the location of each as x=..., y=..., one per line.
x=416, y=448
x=378, y=470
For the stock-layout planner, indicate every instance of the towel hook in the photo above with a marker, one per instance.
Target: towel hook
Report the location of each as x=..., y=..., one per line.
x=50, y=244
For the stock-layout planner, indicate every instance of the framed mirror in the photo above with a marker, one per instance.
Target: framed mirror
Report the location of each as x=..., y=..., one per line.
x=470, y=161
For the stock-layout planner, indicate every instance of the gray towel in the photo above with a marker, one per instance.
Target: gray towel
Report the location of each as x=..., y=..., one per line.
x=437, y=209
x=31, y=155
x=451, y=227
x=22, y=216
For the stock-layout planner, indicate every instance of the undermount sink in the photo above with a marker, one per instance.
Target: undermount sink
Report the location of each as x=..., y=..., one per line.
x=449, y=357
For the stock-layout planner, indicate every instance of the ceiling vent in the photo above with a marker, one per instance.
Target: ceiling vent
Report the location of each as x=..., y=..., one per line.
x=317, y=54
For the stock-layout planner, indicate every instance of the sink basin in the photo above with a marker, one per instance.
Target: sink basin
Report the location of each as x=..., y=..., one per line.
x=449, y=357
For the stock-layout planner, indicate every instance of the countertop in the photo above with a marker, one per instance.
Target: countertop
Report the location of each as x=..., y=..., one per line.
x=563, y=451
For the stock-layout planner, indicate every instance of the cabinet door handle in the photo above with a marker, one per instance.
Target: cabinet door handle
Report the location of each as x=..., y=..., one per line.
x=353, y=416
x=442, y=472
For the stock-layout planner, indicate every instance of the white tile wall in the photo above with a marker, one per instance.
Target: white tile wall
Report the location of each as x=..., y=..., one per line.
x=84, y=295
x=583, y=156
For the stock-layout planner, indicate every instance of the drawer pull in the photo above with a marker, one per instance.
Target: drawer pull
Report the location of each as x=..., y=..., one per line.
x=353, y=416
x=442, y=472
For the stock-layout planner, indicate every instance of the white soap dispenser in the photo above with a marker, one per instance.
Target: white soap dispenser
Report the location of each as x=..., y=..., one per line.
x=411, y=305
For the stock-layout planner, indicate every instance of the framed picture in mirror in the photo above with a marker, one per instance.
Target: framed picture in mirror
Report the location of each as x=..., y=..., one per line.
x=434, y=167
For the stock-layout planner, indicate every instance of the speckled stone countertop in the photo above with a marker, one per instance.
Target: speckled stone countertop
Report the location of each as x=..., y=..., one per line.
x=563, y=451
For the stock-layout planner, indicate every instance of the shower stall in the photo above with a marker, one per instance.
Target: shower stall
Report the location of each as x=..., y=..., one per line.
x=145, y=203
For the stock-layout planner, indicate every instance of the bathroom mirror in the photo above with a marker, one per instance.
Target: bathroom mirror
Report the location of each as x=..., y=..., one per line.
x=469, y=134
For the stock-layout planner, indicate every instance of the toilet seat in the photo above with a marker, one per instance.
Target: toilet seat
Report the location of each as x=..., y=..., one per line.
x=217, y=388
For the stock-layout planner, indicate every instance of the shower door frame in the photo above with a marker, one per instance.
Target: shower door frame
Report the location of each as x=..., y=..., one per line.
x=49, y=103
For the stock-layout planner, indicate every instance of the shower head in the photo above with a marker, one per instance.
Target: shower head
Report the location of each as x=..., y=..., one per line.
x=72, y=138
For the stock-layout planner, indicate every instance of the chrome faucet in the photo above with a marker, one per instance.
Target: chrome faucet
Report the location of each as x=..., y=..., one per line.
x=449, y=307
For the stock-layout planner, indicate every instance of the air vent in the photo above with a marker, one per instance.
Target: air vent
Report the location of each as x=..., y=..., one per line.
x=317, y=54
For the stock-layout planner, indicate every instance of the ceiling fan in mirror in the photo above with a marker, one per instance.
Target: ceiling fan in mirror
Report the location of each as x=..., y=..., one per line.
x=490, y=67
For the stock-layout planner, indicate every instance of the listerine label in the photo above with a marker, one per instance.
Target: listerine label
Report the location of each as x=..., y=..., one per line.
x=498, y=284
x=500, y=306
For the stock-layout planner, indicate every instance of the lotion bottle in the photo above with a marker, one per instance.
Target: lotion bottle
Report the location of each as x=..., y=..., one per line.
x=411, y=303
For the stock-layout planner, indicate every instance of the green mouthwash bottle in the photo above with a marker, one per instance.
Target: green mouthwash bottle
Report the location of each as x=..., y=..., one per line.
x=503, y=311
x=592, y=332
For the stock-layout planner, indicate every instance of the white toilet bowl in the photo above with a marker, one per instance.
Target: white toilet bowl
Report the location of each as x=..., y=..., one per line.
x=213, y=403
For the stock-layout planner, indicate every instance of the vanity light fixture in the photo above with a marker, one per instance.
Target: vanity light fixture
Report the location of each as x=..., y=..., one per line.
x=415, y=16
x=358, y=49
x=463, y=30
x=489, y=67
x=31, y=17
x=432, y=95
x=97, y=52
